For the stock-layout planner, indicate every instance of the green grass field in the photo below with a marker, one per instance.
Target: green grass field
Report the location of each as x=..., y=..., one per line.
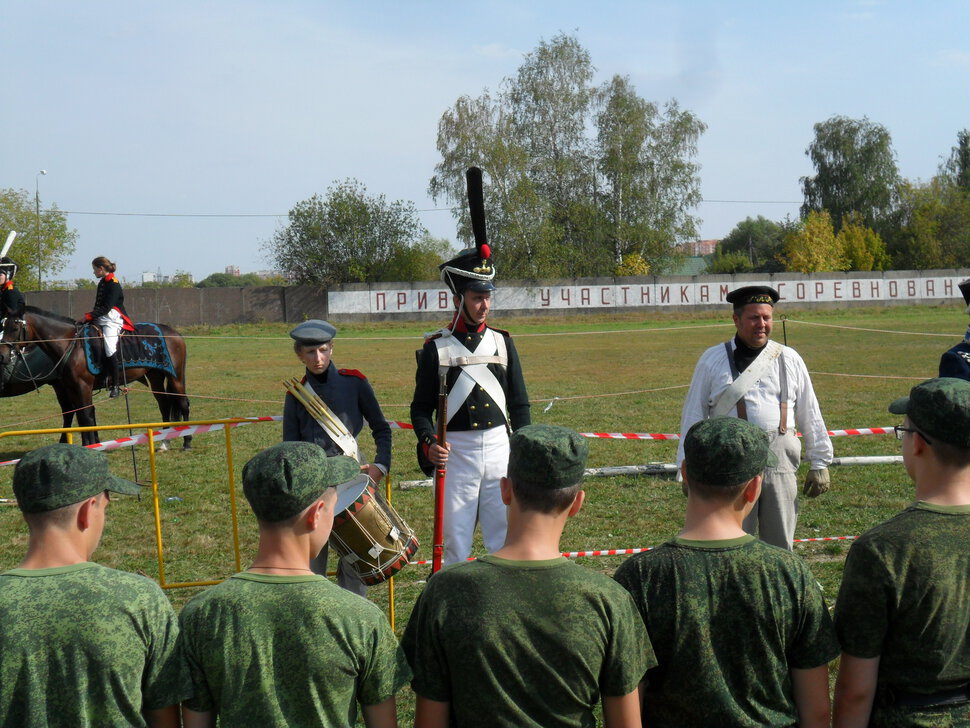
x=625, y=373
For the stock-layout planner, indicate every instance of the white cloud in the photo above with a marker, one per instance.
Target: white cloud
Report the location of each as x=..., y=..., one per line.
x=960, y=59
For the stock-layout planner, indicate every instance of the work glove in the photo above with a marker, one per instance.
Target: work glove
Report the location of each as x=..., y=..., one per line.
x=816, y=483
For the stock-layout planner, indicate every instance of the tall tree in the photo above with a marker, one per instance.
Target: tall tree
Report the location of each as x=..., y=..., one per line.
x=347, y=236
x=855, y=171
x=649, y=181
x=42, y=246
x=956, y=169
x=578, y=176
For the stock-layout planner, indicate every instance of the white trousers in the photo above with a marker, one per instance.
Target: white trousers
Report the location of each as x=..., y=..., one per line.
x=477, y=462
x=111, y=324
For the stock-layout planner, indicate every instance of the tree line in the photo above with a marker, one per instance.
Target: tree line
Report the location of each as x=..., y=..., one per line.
x=594, y=180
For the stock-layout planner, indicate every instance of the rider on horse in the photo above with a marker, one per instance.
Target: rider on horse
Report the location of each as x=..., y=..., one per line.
x=109, y=313
x=11, y=300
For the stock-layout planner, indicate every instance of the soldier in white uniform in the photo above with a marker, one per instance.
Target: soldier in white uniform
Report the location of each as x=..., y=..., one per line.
x=767, y=384
x=487, y=399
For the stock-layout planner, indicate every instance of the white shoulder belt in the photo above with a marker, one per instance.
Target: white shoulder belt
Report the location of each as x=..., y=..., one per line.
x=474, y=367
x=746, y=380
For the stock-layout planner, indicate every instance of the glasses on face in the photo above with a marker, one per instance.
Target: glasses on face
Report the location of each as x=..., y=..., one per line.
x=899, y=430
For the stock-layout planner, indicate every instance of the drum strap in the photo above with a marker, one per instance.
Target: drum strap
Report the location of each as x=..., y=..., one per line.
x=474, y=368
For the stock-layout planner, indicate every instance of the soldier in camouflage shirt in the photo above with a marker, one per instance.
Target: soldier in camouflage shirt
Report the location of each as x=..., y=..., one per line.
x=903, y=610
x=81, y=644
x=739, y=627
x=279, y=645
x=524, y=638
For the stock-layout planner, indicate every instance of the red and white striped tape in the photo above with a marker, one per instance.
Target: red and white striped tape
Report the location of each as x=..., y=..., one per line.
x=630, y=552
x=168, y=433
x=661, y=436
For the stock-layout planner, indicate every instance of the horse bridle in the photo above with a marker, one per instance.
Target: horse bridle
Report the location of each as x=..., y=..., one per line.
x=18, y=347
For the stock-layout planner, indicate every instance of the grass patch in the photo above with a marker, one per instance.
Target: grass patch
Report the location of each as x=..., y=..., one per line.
x=622, y=373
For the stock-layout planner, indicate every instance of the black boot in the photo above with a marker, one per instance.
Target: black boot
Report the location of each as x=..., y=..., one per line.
x=117, y=375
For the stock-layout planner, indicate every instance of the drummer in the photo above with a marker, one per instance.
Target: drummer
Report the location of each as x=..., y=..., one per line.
x=350, y=397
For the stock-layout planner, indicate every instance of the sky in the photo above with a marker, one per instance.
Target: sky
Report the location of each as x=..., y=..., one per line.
x=177, y=135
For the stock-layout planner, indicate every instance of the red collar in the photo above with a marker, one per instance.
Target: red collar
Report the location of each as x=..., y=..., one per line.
x=109, y=277
x=461, y=326
x=8, y=285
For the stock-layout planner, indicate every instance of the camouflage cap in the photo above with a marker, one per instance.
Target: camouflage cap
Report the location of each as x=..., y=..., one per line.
x=940, y=409
x=61, y=475
x=726, y=451
x=547, y=455
x=284, y=479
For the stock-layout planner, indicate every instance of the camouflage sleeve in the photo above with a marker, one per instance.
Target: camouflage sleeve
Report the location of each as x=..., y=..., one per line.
x=862, y=607
x=166, y=679
x=814, y=644
x=387, y=669
x=629, y=653
x=425, y=655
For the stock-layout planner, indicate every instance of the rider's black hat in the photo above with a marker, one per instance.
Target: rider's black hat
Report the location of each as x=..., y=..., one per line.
x=8, y=266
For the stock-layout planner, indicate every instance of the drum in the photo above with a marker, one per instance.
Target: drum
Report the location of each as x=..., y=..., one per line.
x=372, y=537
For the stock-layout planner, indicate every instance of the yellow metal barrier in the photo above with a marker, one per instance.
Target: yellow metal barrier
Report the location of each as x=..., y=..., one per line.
x=151, y=429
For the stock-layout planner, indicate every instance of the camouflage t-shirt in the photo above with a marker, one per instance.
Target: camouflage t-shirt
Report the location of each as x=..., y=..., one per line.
x=268, y=650
x=905, y=598
x=728, y=620
x=85, y=645
x=524, y=643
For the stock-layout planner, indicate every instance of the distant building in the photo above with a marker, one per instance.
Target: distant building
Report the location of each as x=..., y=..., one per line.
x=156, y=278
x=232, y=270
x=699, y=247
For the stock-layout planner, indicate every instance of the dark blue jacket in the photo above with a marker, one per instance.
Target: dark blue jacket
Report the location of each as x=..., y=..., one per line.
x=349, y=396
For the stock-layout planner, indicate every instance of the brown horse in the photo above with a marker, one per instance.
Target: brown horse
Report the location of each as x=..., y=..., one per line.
x=61, y=339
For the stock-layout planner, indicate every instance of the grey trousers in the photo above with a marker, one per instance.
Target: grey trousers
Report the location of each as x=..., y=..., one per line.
x=775, y=513
x=346, y=576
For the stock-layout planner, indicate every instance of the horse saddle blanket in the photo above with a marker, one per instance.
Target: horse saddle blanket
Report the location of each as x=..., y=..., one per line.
x=144, y=347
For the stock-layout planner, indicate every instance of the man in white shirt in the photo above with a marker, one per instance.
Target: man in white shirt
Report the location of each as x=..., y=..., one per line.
x=761, y=381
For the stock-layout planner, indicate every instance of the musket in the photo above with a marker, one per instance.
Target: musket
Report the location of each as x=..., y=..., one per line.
x=439, y=476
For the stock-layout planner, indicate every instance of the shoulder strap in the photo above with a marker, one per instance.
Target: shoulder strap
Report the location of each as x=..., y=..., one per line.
x=746, y=380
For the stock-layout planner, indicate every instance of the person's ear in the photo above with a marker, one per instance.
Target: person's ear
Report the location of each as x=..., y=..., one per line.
x=85, y=513
x=505, y=488
x=577, y=503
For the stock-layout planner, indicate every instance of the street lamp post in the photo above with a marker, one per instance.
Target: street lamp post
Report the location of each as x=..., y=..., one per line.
x=40, y=268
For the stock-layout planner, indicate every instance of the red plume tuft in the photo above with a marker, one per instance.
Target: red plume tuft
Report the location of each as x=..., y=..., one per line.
x=485, y=251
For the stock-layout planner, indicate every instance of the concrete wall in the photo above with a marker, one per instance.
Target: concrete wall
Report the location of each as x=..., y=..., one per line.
x=431, y=301
x=194, y=306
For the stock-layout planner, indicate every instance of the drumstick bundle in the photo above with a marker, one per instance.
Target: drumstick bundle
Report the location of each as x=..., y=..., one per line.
x=319, y=411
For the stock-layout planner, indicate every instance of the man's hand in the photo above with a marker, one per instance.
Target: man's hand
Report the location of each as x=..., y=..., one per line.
x=816, y=482
x=437, y=454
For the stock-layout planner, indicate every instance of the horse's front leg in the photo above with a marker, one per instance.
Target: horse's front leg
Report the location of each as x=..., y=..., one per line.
x=66, y=404
x=85, y=413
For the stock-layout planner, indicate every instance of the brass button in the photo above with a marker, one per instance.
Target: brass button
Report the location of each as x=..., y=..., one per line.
x=487, y=404
x=471, y=406
x=489, y=424
x=474, y=424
